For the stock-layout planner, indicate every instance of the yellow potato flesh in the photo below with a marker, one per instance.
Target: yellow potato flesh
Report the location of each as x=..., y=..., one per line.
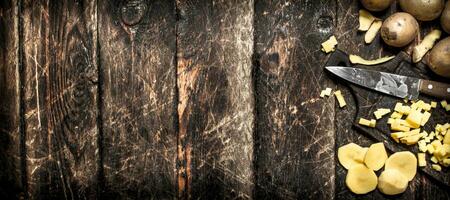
x=351, y=154
x=405, y=162
x=361, y=180
x=376, y=156
x=392, y=182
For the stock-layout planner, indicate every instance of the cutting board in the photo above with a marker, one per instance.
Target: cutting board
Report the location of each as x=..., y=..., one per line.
x=369, y=101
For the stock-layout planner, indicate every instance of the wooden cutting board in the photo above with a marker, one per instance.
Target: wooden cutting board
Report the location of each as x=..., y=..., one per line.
x=369, y=101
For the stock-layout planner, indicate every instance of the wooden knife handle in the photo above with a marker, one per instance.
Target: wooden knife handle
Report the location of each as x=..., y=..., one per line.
x=435, y=89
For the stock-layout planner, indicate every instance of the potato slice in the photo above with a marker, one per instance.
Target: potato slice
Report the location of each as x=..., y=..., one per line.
x=405, y=162
x=375, y=156
x=392, y=182
x=361, y=180
x=354, y=59
x=373, y=31
x=427, y=43
x=365, y=20
x=351, y=154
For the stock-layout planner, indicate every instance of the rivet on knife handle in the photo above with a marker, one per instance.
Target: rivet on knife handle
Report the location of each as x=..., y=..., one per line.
x=435, y=89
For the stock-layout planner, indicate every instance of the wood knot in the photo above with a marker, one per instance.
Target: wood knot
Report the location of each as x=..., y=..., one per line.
x=132, y=11
x=325, y=24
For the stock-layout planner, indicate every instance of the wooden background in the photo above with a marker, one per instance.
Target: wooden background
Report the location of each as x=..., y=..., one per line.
x=188, y=99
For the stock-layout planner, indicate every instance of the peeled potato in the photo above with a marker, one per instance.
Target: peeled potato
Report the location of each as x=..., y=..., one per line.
x=404, y=162
x=361, y=180
x=376, y=156
x=351, y=154
x=392, y=182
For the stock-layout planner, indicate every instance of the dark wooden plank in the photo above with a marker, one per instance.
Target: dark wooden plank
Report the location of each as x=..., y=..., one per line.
x=11, y=185
x=60, y=95
x=215, y=45
x=294, y=148
x=138, y=84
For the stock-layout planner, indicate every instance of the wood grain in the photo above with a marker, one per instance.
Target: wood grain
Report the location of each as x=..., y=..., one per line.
x=60, y=95
x=138, y=83
x=215, y=45
x=294, y=142
x=11, y=166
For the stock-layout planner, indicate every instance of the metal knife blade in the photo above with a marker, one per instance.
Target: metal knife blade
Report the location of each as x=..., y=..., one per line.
x=392, y=84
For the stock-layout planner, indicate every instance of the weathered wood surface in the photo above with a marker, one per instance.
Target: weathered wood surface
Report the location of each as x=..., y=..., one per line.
x=138, y=83
x=186, y=99
x=294, y=135
x=214, y=55
x=60, y=95
x=11, y=166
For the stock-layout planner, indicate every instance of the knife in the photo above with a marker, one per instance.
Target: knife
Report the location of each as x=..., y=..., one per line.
x=392, y=84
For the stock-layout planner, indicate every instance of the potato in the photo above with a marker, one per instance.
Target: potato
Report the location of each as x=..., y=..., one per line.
x=361, y=180
x=351, y=154
x=399, y=29
x=376, y=5
x=445, y=18
x=423, y=10
x=405, y=162
x=392, y=182
x=375, y=156
x=439, y=59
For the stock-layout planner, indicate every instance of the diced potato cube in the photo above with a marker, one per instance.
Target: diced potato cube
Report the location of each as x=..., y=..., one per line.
x=446, y=162
x=399, y=127
x=396, y=115
x=364, y=122
x=447, y=137
x=399, y=107
x=444, y=103
x=447, y=108
x=340, y=98
x=414, y=118
x=329, y=45
x=436, y=144
x=390, y=121
x=410, y=140
x=381, y=112
x=326, y=92
x=421, y=160
x=430, y=149
x=426, y=107
x=425, y=117
x=373, y=123
x=433, y=104
x=423, y=148
x=434, y=159
x=436, y=167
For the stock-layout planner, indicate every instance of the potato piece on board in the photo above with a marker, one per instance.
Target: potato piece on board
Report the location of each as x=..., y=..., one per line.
x=392, y=182
x=361, y=180
x=405, y=162
x=351, y=154
x=375, y=156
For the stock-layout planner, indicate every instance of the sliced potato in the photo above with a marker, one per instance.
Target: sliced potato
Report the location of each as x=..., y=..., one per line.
x=427, y=43
x=405, y=162
x=361, y=180
x=375, y=156
x=329, y=45
x=365, y=20
x=392, y=182
x=373, y=31
x=354, y=59
x=351, y=154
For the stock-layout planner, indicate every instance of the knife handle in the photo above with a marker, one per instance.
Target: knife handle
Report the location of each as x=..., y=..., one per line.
x=435, y=89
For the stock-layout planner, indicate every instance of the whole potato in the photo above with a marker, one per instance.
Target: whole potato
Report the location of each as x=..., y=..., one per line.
x=423, y=10
x=376, y=5
x=439, y=59
x=445, y=18
x=399, y=29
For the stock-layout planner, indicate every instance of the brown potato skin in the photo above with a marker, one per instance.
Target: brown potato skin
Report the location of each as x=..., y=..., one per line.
x=445, y=18
x=399, y=29
x=439, y=59
x=423, y=10
x=376, y=5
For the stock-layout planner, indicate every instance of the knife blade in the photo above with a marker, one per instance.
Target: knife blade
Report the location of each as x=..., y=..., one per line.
x=392, y=84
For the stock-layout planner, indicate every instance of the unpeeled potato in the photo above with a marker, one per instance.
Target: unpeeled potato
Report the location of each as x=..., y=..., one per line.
x=404, y=162
x=376, y=156
x=392, y=182
x=351, y=154
x=361, y=180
